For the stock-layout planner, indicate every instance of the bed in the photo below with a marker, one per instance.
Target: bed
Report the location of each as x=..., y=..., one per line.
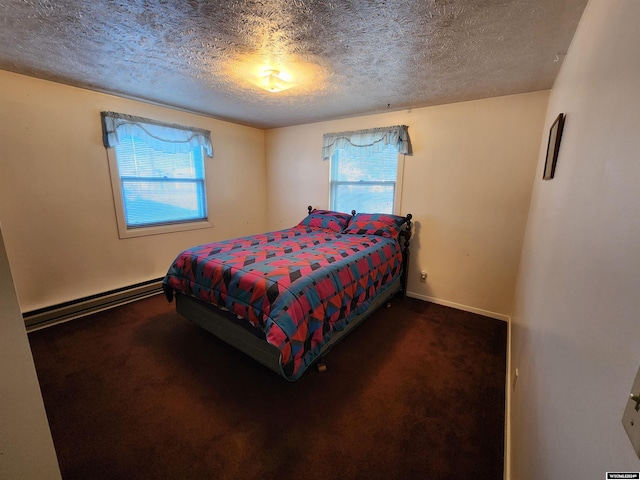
x=285, y=298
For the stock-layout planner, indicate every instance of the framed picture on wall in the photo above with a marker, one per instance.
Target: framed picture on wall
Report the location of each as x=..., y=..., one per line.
x=555, y=134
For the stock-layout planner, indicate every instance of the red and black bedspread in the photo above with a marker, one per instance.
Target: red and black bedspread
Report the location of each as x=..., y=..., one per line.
x=296, y=285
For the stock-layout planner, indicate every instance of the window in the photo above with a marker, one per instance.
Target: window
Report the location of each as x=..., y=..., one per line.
x=159, y=188
x=366, y=168
x=366, y=183
x=157, y=175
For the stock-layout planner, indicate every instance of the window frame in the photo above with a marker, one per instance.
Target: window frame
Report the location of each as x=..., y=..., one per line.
x=125, y=231
x=397, y=194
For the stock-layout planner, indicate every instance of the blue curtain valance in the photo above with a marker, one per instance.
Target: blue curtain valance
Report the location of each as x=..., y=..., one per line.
x=165, y=137
x=371, y=140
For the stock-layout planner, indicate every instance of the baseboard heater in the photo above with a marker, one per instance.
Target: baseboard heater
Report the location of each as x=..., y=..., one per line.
x=44, y=317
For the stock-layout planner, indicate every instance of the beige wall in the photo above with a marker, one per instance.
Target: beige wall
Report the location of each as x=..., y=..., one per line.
x=467, y=184
x=576, y=326
x=26, y=446
x=56, y=205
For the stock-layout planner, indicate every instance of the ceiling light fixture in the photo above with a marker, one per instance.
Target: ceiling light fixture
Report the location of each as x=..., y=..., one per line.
x=290, y=75
x=273, y=80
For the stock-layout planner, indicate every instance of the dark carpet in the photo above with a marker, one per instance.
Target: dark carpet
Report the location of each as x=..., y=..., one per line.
x=139, y=392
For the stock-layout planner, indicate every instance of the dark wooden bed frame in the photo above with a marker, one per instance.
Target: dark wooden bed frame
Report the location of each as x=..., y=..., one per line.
x=227, y=328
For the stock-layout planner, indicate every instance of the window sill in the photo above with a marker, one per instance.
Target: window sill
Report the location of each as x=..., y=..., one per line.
x=161, y=229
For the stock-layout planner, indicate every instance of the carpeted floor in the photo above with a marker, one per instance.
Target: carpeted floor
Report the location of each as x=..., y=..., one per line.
x=138, y=392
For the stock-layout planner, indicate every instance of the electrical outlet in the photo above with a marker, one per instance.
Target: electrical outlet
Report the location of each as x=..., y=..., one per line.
x=423, y=276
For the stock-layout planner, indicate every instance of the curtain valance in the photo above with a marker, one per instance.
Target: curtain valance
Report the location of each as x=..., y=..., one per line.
x=371, y=140
x=166, y=137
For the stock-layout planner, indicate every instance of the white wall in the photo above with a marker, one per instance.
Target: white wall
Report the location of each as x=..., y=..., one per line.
x=26, y=446
x=56, y=204
x=467, y=185
x=576, y=326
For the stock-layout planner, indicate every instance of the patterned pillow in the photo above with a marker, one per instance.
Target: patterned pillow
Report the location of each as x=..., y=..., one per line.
x=382, y=224
x=326, y=219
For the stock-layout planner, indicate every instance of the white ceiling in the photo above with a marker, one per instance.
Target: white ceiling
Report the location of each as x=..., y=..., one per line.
x=351, y=57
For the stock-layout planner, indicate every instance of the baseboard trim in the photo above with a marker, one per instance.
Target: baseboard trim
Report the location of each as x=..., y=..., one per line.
x=48, y=316
x=507, y=414
x=466, y=308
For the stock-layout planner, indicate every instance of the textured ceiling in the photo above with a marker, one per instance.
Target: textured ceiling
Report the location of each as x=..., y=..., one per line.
x=346, y=57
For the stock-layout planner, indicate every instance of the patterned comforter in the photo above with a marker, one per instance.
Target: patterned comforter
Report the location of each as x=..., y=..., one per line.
x=296, y=285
